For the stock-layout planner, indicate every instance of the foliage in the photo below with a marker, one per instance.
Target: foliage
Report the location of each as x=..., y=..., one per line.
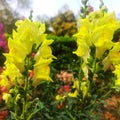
x=116, y=36
x=62, y=49
x=85, y=9
x=6, y=17
x=64, y=24
x=98, y=54
x=82, y=96
x=84, y=70
x=102, y=6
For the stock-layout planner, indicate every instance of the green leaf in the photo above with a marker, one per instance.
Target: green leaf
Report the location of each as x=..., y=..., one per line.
x=39, y=106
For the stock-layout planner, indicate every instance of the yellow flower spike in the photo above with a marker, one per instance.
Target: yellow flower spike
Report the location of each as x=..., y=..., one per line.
x=27, y=34
x=97, y=29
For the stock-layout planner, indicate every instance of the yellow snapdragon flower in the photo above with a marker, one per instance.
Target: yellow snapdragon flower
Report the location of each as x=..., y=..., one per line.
x=79, y=87
x=20, y=45
x=73, y=94
x=60, y=97
x=10, y=76
x=29, y=38
x=96, y=29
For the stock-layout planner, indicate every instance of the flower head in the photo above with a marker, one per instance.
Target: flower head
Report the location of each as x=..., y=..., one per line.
x=29, y=38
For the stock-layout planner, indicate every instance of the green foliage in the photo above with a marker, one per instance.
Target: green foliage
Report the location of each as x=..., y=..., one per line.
x=63, y=48
x=102, y=6
x=64, y=24
x=84, y=10
x=6, y=16
x=116, y=35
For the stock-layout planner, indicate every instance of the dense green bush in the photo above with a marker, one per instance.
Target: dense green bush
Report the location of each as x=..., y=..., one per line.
x=62, y=49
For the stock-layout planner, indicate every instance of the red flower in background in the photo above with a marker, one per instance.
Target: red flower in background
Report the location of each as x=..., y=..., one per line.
x=3, y=114
x=91, y=9
x=66, y=88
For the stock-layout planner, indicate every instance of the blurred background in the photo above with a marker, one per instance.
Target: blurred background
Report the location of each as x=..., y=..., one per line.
x=61, y=18
x=46, y=10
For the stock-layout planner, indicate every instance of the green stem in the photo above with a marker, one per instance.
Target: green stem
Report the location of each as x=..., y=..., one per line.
x=24, y=110
x=32, y=114
x=80, y=73
x=94, y=66
x=72, y=118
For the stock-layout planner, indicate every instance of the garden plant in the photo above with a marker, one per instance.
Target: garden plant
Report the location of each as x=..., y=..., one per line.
x=63, y=78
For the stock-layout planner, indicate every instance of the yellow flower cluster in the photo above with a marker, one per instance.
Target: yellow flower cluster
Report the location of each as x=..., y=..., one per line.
x=83, y=87
x=98, y=30
x=28, y=39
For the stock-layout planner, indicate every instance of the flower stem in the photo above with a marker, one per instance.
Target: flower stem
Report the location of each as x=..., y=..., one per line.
x=26, y=78
x=24, y=110
x=80, y=73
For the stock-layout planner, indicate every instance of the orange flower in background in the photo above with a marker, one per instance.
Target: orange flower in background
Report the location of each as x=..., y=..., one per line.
x=66, y=77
